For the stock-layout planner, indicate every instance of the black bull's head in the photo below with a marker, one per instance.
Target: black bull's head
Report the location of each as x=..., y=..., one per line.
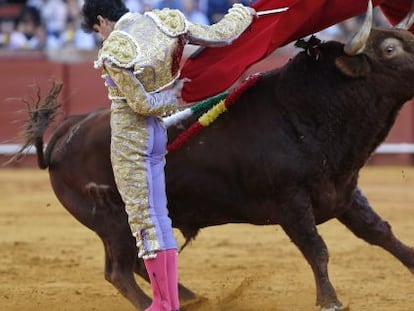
x=381, y=45
x=288, y=152
x=360, y=40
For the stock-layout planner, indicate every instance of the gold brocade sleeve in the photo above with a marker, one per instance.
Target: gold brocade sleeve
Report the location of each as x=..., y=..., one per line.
x=229, y=28
x=143, y=103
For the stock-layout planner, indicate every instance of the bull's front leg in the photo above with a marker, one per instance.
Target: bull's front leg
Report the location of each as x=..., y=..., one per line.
x=299, y=224
x=362, y=220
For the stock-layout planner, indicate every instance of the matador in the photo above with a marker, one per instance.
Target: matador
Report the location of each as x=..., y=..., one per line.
x=140, y=59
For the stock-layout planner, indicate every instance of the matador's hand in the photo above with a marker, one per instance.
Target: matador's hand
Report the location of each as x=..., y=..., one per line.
x=252, y=11
x=178, y=86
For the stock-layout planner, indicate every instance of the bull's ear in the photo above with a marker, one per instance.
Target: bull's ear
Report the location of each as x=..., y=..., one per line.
x=353, y=66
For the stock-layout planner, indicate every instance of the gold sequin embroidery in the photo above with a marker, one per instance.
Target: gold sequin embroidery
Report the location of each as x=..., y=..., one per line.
x=129, y=141
x=171, y=22
x=119, y=48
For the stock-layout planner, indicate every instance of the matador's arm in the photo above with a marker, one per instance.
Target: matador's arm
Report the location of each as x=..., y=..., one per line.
x=142, y=102
x=229, y=28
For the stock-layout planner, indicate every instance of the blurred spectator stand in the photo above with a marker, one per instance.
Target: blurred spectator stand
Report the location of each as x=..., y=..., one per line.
x=28, y=33
x=9, y=14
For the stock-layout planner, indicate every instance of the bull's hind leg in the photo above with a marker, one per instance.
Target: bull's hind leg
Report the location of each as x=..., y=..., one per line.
x=110, y=223
x=299, y=224
x=361, y=219
x=120, y=256
x=101, y=210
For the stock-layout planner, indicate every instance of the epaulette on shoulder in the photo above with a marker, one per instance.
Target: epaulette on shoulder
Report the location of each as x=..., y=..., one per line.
x=171, y=22
x=120, y=49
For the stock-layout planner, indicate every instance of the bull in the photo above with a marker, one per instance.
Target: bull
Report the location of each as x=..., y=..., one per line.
x=287, y=152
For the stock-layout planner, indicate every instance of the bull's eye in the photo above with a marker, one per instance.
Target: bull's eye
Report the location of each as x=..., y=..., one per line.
x=391, y=47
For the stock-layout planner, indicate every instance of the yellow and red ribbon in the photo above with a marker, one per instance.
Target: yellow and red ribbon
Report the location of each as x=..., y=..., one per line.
x=212, y=114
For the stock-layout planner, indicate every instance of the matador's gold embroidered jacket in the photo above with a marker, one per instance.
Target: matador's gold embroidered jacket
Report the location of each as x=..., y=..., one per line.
x=140, y=61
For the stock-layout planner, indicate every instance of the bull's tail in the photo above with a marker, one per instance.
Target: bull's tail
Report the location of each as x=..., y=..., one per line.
x=41, y=114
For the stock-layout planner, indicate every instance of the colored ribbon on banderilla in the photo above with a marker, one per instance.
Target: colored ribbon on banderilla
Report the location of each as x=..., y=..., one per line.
x=218, y=104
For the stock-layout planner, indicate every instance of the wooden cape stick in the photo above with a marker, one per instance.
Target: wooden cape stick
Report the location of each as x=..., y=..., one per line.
x=267, y=12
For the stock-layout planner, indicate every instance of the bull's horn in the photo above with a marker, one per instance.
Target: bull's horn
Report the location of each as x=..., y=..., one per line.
x=357, y=45
x=408, y=21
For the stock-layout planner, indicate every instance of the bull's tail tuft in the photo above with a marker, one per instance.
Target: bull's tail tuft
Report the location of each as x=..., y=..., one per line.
x=41, y=114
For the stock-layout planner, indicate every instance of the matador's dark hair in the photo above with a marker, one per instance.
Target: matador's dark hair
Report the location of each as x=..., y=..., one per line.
x=110, y=9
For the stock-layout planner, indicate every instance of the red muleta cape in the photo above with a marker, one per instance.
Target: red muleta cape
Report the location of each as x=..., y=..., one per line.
x=216, y=69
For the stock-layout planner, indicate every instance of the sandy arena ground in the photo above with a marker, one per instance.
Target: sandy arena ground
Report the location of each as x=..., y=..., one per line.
x=51, y=262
